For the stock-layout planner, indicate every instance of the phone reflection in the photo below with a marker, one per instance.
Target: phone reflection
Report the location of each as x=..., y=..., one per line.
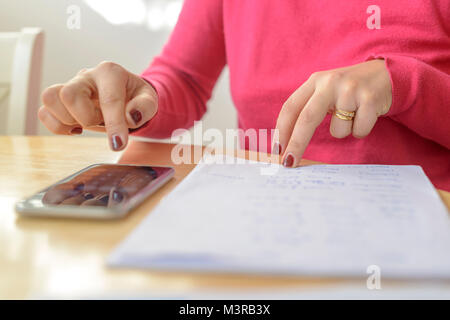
x=102, y=185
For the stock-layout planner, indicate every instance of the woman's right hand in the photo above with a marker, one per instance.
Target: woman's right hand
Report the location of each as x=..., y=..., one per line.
x=105, y=98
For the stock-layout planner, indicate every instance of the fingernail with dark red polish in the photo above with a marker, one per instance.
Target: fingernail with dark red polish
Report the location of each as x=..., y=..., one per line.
x=288, y=161
x=136, y=115
x=77, y=130
x=116, y=142
x=276, y=148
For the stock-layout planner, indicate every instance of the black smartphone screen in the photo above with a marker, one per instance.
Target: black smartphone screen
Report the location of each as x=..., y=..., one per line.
x=106, y=185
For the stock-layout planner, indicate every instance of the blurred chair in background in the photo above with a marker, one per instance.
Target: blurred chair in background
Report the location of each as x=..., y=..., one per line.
x=21, y=56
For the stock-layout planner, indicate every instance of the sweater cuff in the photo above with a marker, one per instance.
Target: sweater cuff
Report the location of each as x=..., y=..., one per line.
x=403, y=80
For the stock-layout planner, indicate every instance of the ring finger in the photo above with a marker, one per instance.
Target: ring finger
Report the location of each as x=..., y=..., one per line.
x=340, y=128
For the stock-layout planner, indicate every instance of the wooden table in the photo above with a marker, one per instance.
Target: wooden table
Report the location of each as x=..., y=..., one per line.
x=66, y=258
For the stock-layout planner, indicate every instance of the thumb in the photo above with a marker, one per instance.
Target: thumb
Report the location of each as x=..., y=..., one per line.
x=142, y=107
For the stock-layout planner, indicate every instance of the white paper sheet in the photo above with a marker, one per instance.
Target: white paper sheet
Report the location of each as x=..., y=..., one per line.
x=320, y=220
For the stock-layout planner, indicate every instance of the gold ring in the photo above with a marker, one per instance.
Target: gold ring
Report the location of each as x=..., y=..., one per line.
x=344, y=115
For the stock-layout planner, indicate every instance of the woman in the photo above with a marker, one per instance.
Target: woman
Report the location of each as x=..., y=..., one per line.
x=338, y=90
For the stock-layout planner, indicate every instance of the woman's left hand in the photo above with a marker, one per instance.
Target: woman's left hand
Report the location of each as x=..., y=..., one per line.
x=364, y=89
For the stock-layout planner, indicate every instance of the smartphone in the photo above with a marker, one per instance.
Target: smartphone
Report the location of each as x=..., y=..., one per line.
x=100, y=191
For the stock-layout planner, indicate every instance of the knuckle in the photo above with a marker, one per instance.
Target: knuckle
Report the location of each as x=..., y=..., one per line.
x=315, y=75
x=110, y=97
x=68, y=94
x=330, y=78
x=83, y=71
x=348, y=86
x=109, y=66
x=367, y=97
x=106, y=64
x=50, y=96
x=307, y=116
x=288, y=107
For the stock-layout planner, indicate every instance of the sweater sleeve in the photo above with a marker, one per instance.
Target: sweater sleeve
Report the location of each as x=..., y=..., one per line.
x=186, y=71
x=420, y=96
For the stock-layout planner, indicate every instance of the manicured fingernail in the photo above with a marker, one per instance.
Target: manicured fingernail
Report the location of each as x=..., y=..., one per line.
x=117, y=196
x=136, y=115
x=276, y=148
x=76, y=130
x=116, y=142
x=289, y=160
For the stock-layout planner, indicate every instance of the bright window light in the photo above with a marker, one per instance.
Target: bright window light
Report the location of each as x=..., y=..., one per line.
x=156, y=18
x=155, y=14
x=172, y=12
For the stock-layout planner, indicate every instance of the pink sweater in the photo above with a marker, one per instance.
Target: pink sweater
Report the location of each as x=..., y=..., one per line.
x=271, y=48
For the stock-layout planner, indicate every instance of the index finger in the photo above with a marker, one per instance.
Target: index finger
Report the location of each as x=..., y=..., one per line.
x=111, y=83
x=309, y=119
x=289, y=114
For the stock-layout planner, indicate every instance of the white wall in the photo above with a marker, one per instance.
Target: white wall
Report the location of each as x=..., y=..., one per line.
x=131, y=45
